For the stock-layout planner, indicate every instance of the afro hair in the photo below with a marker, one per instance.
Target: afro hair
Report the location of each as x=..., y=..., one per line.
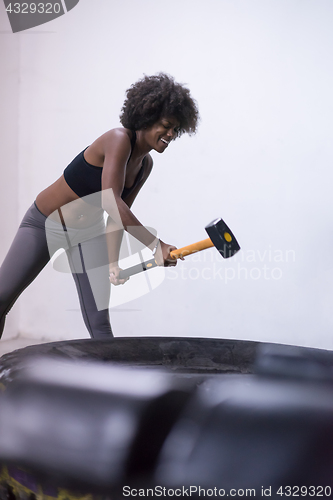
x=155, y=97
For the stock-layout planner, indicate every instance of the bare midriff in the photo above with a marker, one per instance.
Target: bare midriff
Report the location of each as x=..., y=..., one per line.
x=76, y=211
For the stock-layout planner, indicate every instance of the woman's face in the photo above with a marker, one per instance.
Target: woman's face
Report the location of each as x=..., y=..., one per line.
x=159, y=135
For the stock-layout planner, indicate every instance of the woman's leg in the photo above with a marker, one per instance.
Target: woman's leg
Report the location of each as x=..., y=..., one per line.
x=89, y=264
x=28, y=255
x=25, y=259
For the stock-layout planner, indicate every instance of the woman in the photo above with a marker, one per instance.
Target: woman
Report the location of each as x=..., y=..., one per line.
x=107, y=175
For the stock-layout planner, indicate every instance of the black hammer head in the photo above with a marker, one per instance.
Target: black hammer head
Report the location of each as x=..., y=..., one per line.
x=222, y=238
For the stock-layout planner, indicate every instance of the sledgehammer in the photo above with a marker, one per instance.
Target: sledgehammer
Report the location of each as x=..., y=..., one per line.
x=220, y=236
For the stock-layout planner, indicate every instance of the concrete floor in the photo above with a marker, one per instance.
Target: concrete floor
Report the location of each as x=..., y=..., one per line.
x=18, y=343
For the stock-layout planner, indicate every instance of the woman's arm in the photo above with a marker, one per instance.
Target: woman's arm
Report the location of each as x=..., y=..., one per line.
x=114, y=236
x=117, y=151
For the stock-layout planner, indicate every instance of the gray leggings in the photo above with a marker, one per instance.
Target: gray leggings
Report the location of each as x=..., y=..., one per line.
x=28, y=255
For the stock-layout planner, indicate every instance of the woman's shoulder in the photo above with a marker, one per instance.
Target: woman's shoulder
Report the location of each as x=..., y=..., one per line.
x=115, y=141
x=118, y=135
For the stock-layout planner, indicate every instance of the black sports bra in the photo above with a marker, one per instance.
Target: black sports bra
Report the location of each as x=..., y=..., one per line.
x=84, y=178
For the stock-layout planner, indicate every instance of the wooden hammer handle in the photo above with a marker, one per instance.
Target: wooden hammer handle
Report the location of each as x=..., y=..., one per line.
x=195, y=247
x=175, y=254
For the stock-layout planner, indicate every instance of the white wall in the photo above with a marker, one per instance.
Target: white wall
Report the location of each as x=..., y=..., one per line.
x=9, y=131
x=262, y=73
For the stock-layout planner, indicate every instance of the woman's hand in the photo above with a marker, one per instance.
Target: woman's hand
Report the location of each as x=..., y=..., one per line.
x=162, y=255
x=114, y=275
